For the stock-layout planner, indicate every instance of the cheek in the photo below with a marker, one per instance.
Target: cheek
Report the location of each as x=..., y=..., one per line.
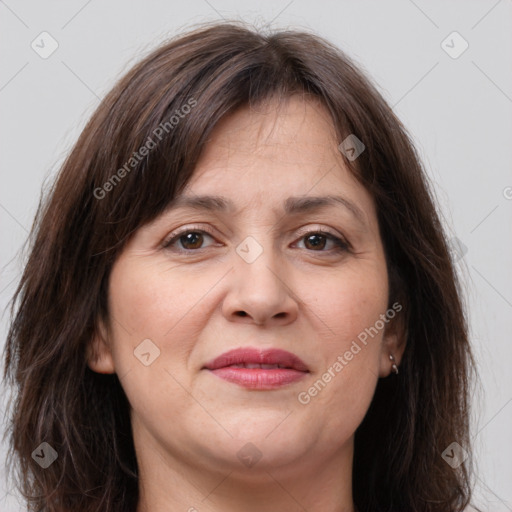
x=349, y=303
x=150, y=301
x=162, y=303
x=344, y=384
x=153, y=298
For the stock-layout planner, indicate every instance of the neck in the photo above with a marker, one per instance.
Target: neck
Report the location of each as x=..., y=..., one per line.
x=316, y=483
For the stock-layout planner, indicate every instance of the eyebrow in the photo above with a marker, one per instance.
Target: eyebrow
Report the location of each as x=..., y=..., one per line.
x=292, y=206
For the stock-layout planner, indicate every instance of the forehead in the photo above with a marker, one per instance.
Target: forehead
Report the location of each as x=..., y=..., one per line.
x=272, y=127
x=275, y=152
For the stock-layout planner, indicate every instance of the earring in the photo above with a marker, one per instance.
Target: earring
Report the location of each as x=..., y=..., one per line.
x=393, y=366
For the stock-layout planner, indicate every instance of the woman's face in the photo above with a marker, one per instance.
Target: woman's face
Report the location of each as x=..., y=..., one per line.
x=269, y=272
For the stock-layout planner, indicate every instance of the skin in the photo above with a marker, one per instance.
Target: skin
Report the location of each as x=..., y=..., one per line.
x=301, y=294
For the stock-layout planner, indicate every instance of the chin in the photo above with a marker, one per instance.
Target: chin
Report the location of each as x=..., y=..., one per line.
x=260, y=424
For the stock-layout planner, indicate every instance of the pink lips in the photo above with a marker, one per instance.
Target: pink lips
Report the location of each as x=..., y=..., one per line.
x=257, y=369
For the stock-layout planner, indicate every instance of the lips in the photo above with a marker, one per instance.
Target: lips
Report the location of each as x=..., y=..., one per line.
x=253, y=359
x=258, y=370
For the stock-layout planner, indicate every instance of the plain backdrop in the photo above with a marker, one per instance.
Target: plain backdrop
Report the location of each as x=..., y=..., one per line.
x=456, y=104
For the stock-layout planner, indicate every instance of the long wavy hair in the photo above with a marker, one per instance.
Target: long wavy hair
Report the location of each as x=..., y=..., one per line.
x=108, y=187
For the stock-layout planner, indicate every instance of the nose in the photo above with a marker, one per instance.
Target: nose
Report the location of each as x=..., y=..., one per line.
x=260, y=292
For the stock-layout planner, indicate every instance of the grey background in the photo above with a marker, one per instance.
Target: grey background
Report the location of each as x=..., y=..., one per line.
x=457, y=110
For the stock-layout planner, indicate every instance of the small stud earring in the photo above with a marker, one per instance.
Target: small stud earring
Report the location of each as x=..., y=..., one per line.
x=393, y=366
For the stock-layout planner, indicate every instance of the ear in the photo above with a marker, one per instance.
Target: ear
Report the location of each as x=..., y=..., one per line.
x=393, y=341
x=99, y=355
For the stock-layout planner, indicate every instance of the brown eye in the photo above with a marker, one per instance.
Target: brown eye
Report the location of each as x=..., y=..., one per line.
x=191, y=240
x=188, y=240
x=318, y=240
x=315, y=241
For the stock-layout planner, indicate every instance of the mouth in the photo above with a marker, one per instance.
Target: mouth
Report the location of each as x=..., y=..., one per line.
x=257, y=369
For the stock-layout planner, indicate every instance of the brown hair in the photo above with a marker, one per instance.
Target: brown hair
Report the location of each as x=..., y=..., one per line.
x=94, y=207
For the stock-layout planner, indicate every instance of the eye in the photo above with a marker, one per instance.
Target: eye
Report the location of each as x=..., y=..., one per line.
x=318, y=239
x=190, y=239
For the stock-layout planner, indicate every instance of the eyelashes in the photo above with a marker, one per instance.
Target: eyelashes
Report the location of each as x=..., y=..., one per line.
x=194, y=239
x=339, y=244
x=177, y=238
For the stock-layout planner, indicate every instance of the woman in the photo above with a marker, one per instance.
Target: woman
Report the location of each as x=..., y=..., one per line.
x=239, y=297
